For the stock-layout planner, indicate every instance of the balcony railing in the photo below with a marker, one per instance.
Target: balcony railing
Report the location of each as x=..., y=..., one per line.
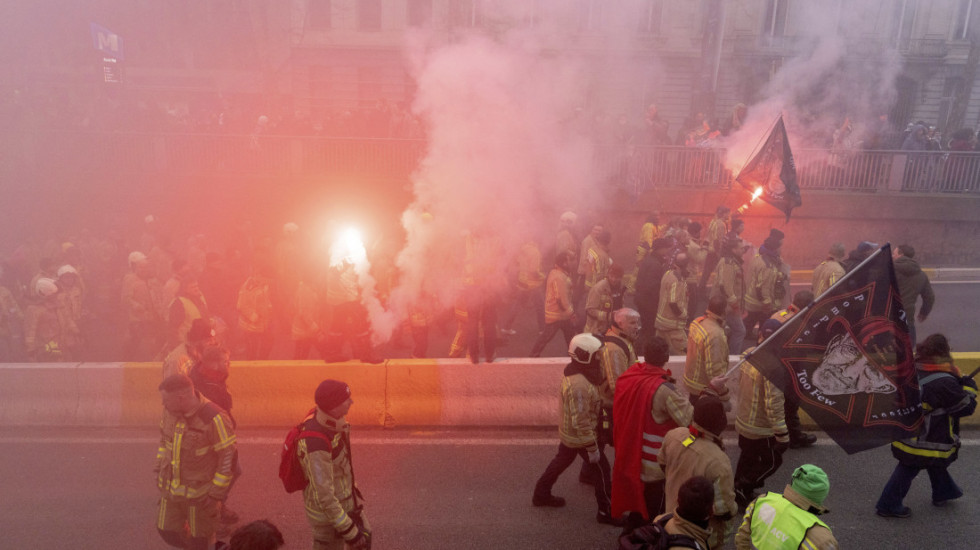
x=634, y=169
x=928, y=48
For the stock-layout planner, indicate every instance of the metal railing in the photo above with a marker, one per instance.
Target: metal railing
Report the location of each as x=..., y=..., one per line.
x=635, y=169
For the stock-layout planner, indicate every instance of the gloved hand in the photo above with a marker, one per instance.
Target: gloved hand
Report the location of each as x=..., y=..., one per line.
x=718, y=385
x=782, y=443
x=594, y=457
x=361, y=541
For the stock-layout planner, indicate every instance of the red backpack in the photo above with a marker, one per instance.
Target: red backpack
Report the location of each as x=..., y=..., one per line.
x=290, y=470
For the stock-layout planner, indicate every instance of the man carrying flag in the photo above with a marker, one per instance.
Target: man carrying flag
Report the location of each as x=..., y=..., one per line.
x=848, y=359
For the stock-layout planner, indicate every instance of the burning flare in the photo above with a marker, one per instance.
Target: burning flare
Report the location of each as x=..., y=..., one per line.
x=349, y=247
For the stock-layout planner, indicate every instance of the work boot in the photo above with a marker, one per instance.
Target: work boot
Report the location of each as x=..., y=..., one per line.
x=549, y=501
x=604, y=516
x=802, y=439
x=228, y=515
x=902, y=512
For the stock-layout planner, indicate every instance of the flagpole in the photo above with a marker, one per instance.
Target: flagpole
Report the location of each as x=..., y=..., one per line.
x=810, y=305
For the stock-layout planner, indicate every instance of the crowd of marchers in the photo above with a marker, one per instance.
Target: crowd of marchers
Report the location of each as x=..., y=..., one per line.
x=672, y=484
x=97, y=298
x=671, y=480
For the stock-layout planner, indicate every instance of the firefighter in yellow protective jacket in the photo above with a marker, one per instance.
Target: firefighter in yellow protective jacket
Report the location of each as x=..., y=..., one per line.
x=597, y=260
x=728, y=281
x=580, y=406
x=829, y=271
x=333, y=502
x=604, y=298
x=672, y=310
x=765, y=283
x=194, y=467
x=714, y=236
x=707, y=353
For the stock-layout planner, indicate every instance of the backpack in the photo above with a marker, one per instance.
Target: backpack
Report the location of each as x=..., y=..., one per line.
x=290, y=470
x=654, y=537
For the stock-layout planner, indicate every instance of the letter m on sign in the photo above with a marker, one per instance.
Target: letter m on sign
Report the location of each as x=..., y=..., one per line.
x=106, y=41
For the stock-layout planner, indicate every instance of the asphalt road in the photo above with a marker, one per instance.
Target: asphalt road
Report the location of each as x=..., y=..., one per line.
x=94, y=489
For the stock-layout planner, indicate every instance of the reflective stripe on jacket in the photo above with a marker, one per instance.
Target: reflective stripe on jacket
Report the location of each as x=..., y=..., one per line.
x=673, y=292
x=580, y=409
x=196, y=451
x=760, y=411
x=707, y=352
x=329, y=496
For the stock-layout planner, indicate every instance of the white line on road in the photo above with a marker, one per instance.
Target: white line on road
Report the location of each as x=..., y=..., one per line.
x=403, y=441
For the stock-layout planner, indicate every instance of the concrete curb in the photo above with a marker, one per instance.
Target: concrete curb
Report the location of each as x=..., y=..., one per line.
x=410, y=392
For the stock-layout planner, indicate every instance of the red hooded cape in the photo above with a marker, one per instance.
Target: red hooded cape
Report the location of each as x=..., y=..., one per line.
x=631, y=407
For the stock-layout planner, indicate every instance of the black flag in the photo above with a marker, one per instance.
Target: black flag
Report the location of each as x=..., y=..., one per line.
x=849, y=359
x=773, y=170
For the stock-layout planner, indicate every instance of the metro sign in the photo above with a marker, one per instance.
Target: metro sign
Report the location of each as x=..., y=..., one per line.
x=107, y=42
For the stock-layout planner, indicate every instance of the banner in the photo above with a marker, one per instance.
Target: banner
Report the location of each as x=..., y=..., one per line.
x=848, y=357
x=773, y=170
x=106, y=41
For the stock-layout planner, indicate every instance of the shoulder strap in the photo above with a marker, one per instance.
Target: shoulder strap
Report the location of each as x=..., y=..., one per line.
x=208, y=411
x=619, y=342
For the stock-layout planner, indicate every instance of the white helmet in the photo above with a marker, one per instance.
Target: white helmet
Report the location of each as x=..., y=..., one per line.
x=136, y=257
x=46, y=287
x=583, y=347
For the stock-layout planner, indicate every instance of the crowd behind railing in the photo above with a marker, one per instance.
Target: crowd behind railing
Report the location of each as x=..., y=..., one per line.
x=142, y=132
x=635, y=169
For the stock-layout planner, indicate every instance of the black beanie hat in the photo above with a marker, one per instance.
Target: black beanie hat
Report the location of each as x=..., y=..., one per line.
x=331, y=393
x=695, y=500
x=709, y=414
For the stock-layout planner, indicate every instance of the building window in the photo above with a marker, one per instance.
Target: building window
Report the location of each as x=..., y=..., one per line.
x=963, y=19
x=464, y=13
x=369, y=15
x=651, y=17
x=775, y=21
x=904, y=19
x=419, y=12
x=318, y=14
x=590, y=15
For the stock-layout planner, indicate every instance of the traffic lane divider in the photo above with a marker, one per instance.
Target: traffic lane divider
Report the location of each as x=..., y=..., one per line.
x=280, y=393
x=453, y=392
x=53, y=394
x=408, y=392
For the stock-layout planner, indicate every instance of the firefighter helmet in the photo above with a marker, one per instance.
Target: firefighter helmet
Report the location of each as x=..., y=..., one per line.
x=583, y=347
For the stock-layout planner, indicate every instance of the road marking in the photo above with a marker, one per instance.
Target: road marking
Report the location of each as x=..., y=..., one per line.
x=365, y=440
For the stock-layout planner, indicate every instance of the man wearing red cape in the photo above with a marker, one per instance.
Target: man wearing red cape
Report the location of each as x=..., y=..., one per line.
x=646, y=406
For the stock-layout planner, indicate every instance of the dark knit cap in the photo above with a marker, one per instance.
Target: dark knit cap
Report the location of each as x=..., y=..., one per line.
x=709, y=414
x=331, y=393
x=772, y=244
x=200, y=330
x=776, y=234
x=695, y=500
x=866, y=247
